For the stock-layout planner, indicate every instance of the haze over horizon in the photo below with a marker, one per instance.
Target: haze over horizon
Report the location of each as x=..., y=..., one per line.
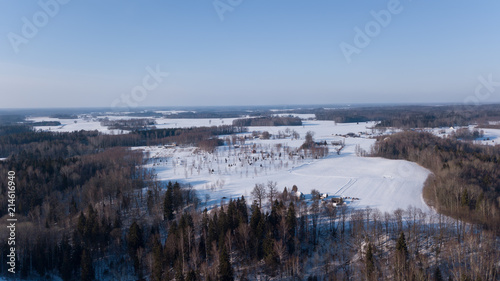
x=63, y=53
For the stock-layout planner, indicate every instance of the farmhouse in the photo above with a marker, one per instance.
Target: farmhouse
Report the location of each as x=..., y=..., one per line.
x=337, y=201
x=297, y=194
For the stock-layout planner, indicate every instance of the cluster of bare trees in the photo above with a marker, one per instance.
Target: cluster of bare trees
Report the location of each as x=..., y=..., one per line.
x=312, y=149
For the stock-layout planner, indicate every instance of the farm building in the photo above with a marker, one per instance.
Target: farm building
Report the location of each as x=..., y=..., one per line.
x=337, y=201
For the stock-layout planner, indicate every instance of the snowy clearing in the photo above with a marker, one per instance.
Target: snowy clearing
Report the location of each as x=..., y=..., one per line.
x=232, y=171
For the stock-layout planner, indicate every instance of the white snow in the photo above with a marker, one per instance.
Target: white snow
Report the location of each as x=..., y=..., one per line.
x=491, y=136
x=71, y=125
x=373, y=182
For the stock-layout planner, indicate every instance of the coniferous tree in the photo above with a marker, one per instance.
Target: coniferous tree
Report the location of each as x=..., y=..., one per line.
x=401, y=266
x=157, y=269
x=134, y=242
x=401, y=244
x=225, y=270
x=257, y=227
x=291, y=226
x=191, y=276
x=66, y=264
x=82, y=221
x=369, y=262
x=177, y=196
x=437, y=274
x=168, y=204
x=87, y=267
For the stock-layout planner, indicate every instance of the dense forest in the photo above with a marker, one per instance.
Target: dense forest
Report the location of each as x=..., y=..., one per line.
x=413, y=116
x=14, y=139
x=127, y=124
x=88, y=210
x=268, y=121
x=466, y=177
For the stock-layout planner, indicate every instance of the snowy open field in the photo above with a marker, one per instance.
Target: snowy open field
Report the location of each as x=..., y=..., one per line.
x=71, y=125
x=231, y=172
x=93, y=123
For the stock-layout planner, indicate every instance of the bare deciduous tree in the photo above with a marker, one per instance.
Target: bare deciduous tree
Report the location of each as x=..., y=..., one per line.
x=259, y=193
x=272, y=191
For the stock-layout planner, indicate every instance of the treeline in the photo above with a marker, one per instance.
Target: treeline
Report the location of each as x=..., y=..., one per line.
x=204, y=137
x=127, y=124
x=413, y=116
x=13, y=139
x=46, y=123
x=64, y=116
x=466, y=177
x=50, y=173
x=10, y=119
x=268, y=121
x=14, y=129
x=18, y=138
x=206, y=114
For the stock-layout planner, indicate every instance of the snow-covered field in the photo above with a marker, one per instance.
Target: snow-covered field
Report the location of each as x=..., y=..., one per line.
x=491, y=137
x=71, y=125
x=233, y=171
x=93, y=123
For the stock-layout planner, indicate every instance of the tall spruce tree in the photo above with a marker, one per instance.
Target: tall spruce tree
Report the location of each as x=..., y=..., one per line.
x=87, y=267
x=134, y=241
x=225, y=270
x=168, y=203
x=369, y=262
x=291, y=226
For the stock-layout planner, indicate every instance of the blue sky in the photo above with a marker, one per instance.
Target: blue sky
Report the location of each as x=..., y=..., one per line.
x=93, y=53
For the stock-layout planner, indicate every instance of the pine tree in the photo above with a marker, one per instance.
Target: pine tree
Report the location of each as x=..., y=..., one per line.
x=401, y=244
x=369, y=262
x=157, y=269
x=134, y=241
x=82, y=221
x=437, y=274
x=66, y=264
x=177, y=196
x=401, y=266
x=191, y=276
x=291, y=226
x=270, y=255
x=168, y=205
x=87, y=267
x=225, y=270
x=257, y=226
